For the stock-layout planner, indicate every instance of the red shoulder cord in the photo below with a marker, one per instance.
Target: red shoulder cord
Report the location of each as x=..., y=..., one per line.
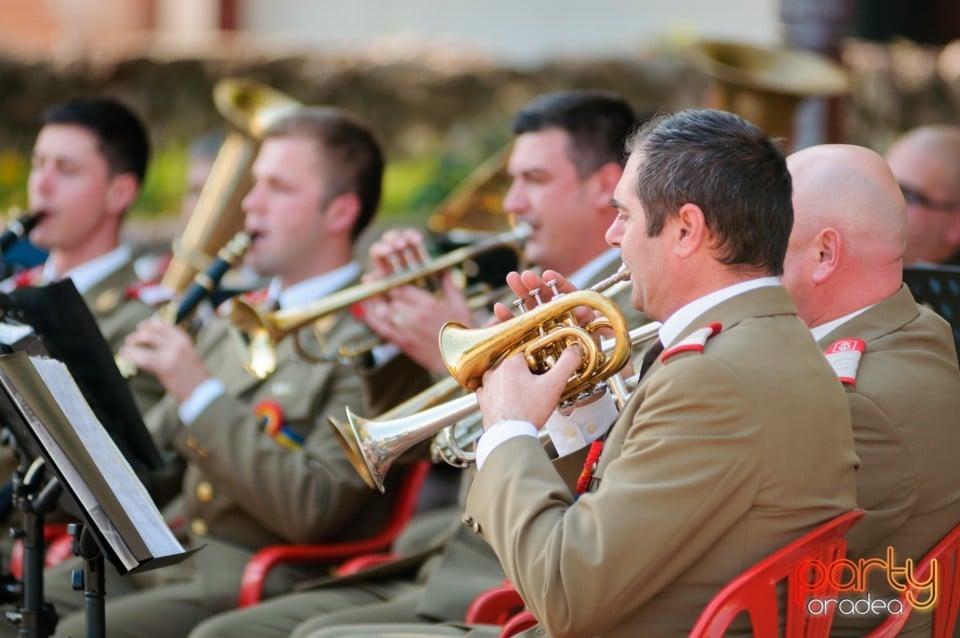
x=586, y=474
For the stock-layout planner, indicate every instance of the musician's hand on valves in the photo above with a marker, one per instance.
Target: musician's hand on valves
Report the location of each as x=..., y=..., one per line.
x=510, y=391
x=533, y=289
x=409, y=316
x=169, y=353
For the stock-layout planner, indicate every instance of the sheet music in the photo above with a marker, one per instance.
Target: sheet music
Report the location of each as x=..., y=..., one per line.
x=107, y=458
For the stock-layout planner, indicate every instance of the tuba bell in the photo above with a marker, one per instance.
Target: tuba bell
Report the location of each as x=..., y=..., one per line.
x=249, y=108
x=765, y=85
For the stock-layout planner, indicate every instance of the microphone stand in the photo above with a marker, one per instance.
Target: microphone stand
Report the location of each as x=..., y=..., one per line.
x=35, y=618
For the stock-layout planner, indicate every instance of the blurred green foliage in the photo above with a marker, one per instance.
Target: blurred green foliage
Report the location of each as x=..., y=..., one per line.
x=412, y=186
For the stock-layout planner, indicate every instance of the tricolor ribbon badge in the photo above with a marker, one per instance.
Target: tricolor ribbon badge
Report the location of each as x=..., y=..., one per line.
x=270, y=419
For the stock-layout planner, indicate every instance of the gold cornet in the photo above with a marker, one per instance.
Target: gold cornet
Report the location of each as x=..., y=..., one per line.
x=261, y=331
x=541, y=334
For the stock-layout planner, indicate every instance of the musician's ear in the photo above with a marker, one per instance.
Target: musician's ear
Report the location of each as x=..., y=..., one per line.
x=829, y=244
x=341, y=214
x=121, y=192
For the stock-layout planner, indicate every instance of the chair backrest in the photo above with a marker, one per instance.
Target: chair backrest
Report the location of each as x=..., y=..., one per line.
x=947, y=555
x=264, y=561
x=755, y=590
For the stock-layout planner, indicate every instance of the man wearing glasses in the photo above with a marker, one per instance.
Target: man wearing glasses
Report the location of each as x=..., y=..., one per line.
x=926, y=163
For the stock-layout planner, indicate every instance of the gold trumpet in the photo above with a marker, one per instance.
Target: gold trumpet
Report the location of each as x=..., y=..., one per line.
x=452, y=444
x=540, y=334
x=261, y=331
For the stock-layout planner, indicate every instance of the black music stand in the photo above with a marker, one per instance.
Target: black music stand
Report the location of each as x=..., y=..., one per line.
x=937, y=287
x=42, y=403
x=55, y=321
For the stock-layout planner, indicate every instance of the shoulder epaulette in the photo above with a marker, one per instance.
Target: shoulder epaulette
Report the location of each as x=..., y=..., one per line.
x=694, y=342
x=844, y=357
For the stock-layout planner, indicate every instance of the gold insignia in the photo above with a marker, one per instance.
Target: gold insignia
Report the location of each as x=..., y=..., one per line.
x=107, y=300
x=204, y=491
x=199, y=527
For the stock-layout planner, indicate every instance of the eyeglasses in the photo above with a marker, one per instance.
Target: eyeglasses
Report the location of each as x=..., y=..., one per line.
x=915, y=197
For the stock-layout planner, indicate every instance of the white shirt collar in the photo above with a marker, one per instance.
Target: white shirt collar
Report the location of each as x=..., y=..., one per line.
x=314, y=288
x=680, y=319
x=87, y=275
x=824, y=329
x=586, y=272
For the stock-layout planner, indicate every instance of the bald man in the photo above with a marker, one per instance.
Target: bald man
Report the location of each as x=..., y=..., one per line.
x=926, y=164
x=895, y=358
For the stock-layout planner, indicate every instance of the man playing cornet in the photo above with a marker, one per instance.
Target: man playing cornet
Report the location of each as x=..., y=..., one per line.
x=566, y=160
x=737, y=439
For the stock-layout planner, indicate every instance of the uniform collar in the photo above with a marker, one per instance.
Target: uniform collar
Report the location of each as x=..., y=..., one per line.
x=89, y=274
x=674, y=326
x=314, y=288
x=824, y=329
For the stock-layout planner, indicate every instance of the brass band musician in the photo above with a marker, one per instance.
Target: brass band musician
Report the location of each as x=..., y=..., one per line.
x=262, y=467
x=736, y=441
x=566, y=159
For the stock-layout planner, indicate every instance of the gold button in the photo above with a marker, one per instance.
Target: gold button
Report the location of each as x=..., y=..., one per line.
x=203, y=453
x=107, y=300
x=192, y=442
x=591, y=428
x=204, y=491
x=199, y=527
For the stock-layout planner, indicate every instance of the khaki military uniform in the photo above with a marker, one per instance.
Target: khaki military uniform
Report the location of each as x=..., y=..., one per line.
x=904, y=400
x=244, y=489
x=719, y=458
x=435, y=584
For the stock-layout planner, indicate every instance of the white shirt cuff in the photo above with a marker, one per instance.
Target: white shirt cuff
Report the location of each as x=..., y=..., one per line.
x=202, y=396
x=500, y=432
x=583, y=426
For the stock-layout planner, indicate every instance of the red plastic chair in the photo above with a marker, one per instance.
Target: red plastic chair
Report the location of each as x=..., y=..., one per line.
x=58, y=548
x=947, y=555
x=264, y=561
x=755, y=590
x=495, y=606
x=365, y=562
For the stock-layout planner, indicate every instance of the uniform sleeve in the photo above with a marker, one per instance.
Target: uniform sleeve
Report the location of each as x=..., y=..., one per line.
x=302, y=495
x=886, y=480
x=686, y=473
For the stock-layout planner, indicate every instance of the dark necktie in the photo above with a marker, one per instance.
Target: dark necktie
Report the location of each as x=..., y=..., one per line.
x=649, y=357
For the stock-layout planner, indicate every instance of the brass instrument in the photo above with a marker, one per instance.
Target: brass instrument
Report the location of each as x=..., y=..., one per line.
x=203, y=286
x=18, y=228
x=765, y=85
x=262, y=331
x=541, y=334
x=249, y=108
x=452, y=443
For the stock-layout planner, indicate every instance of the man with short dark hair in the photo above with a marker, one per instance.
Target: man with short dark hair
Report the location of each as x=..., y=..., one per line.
x=736, y=440
x=263, y=466
x=565, y=162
